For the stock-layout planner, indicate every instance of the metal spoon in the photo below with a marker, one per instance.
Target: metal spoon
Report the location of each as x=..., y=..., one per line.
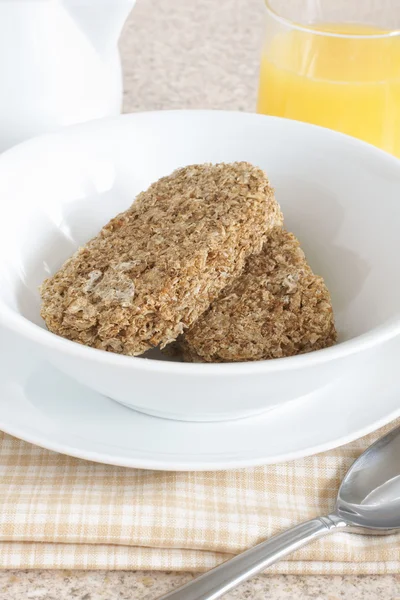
x=368, y=502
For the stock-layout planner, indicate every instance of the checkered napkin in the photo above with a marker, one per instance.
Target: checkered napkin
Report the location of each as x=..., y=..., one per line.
x=62, y=512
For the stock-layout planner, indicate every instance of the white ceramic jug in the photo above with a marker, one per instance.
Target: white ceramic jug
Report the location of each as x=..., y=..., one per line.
x=59, y=64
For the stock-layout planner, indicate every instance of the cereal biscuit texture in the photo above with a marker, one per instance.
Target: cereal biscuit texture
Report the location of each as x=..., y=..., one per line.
x=276, y=308
x=154, y=269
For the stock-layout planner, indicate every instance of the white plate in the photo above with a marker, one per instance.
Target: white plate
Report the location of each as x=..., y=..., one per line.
x=40, y=405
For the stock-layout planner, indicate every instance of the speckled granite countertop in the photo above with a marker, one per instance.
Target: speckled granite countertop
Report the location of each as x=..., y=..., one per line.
x=114, y=585
x=181, y=54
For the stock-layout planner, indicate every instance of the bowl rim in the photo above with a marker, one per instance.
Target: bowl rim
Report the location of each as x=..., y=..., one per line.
x=17, y=323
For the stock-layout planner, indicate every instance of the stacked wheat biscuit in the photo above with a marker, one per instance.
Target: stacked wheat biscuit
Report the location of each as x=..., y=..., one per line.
x=200, y=257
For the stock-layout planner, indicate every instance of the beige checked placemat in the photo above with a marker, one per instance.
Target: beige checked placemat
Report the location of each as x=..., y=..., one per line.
x=61, y=512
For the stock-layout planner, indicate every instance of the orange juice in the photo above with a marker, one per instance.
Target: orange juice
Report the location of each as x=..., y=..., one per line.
x=351, y=84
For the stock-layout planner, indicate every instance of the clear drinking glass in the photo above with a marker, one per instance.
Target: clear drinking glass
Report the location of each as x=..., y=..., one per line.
x=335, y=63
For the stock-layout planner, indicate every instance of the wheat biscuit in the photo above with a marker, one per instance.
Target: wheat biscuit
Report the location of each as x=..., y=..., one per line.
x=154, y=269
x=276, y=308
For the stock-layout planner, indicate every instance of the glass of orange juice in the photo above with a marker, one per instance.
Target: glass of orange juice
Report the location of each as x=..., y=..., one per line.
x=335, y=63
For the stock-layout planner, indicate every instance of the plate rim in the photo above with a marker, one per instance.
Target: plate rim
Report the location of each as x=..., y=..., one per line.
x=155, y=465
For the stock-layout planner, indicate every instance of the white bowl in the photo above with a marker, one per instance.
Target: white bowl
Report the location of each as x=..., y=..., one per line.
x=340, y=196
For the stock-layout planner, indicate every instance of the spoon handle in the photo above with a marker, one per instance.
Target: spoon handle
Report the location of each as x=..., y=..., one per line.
x=219, y=581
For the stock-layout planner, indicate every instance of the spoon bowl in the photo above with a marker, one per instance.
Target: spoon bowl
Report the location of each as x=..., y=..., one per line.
x=369, y=496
